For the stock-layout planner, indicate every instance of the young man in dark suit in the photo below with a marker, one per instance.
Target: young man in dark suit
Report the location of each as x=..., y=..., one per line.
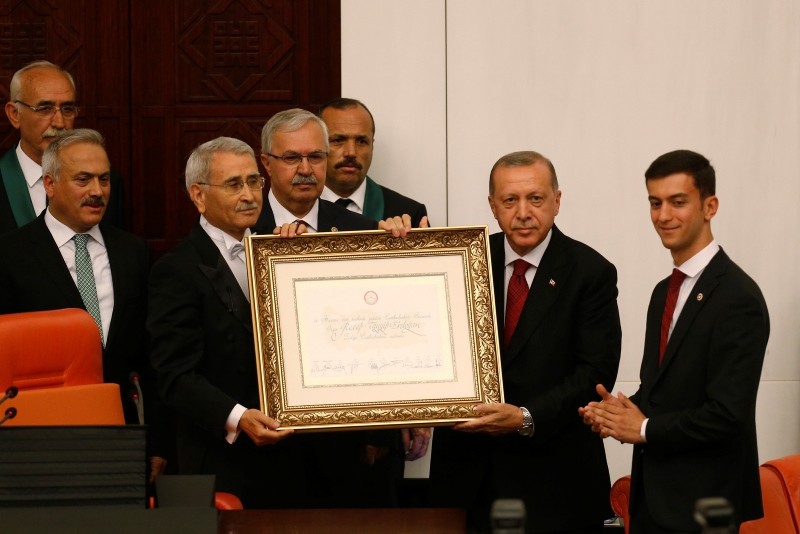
x=39, y=268
x=42, y=104
x=351, y=132
x=692, y=421
x=556, y=302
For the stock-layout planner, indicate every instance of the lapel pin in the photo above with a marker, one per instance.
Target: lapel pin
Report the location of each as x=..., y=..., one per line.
x=699, y=297
x=552, y=283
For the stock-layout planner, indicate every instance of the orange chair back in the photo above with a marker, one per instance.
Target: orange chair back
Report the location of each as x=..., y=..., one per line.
x=48, y=349
x=777, y=513
x=621, y=498
x=91, y=404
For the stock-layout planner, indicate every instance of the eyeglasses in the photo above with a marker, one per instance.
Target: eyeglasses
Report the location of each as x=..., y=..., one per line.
x=68, y=111
x=314, y=158
x=234, y=187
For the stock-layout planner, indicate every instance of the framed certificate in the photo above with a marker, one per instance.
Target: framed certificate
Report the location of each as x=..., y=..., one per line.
x=361, y=329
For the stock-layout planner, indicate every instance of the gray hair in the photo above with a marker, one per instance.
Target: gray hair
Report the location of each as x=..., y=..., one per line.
x=289, y=120
x=198, y=166
x=51, y=162
x=523, y=159
x=16, y=80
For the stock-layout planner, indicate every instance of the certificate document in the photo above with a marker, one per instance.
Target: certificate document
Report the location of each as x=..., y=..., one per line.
x=362, y=329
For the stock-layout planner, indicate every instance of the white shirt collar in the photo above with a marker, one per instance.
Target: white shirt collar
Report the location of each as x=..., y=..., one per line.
x=534, y=257
x=31, y=169
x=62, y=233
x=357, y=197
x=284, y=216
x=695, y=265
x=223, y=240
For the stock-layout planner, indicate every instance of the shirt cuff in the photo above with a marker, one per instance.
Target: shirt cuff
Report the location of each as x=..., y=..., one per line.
x=232, y=424
x=642, y=431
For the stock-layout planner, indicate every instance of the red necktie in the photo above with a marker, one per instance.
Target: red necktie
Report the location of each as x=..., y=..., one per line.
x=675, y=281
x=515, y=299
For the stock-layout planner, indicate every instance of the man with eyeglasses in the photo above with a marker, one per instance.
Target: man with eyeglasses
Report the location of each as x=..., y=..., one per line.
x=351, y=468
x=351, y=133
x=41, y=105
x=202, y=337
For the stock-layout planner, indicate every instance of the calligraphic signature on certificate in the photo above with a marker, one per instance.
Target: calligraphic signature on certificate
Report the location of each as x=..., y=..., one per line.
x=374, y=330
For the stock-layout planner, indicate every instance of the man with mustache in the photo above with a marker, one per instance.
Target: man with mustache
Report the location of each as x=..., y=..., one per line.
x=355, y=469
x=40, y=265
x=42, y=104
x=556, y=305
x=351, y=133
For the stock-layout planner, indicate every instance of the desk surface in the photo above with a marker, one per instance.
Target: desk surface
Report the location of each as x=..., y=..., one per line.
x=332, y=521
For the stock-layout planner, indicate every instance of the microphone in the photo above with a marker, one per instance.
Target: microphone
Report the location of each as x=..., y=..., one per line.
x=137, y=396
x=11, y=413
x=11, y=392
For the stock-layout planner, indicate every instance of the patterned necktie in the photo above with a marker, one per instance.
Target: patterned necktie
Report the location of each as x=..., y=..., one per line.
x=515, y=299
x=343, y=202
x=675, y=281
x=86, y=285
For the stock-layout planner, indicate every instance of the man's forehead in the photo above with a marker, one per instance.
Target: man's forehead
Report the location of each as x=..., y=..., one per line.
x=42, y=83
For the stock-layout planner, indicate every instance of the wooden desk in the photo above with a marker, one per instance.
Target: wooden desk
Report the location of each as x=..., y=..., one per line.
x=333, y=521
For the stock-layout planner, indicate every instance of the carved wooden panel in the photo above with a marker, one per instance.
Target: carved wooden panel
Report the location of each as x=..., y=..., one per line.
x=158, y=78
x=202, y=69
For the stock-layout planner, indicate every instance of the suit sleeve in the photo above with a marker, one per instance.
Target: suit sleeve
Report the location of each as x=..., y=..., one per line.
x=594, y=338
x=175, y=323
x=732, y=367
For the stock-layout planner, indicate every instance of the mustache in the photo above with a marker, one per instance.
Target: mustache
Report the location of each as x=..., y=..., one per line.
x=245, y=206
x=53, y=132
x=524, y=226
x=95, y=202
x=299, y=179
x=348, y=161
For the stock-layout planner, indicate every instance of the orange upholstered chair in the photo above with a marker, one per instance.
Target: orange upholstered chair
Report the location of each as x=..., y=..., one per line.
x=49, y=349
x=90, y=404
x=227, y=501
x=788, y=468
x=621, y=498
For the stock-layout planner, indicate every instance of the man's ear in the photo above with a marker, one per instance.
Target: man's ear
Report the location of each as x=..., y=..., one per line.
x=48, y=182
x=13, y=114
x=265, y=162
x=710, y=207
x=198, y=197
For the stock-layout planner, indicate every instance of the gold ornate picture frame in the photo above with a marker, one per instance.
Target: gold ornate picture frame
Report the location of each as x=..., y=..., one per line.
x=361, y=329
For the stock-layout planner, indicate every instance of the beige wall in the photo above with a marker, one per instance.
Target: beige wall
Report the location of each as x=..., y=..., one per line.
x=602, y=88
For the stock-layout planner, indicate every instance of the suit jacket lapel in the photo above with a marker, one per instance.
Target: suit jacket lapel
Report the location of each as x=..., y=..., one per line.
x=541, y=296
x=16, y=188
x=52, y=262
x=373, y=201
x=701, y=291
x=223, y=281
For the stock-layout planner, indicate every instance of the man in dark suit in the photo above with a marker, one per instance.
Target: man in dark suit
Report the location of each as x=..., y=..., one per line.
x=561, y=335
x=202, y=340
x=351, y=133
x=39, y=268
x=42, y=104
x=692, y=421
x=350, y=468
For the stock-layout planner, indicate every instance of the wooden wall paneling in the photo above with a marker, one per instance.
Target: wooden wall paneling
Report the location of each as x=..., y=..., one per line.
x=202, y=69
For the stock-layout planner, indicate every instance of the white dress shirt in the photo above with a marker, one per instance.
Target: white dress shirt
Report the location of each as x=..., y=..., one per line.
x=358, y=196
x=534, y=257
x=284, y=216
x=101, y=267
x=33, y=176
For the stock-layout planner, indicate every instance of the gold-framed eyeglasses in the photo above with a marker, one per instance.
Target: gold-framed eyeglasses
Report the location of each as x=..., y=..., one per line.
x=292, y=159
x=68, y=111
x=234, y=187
